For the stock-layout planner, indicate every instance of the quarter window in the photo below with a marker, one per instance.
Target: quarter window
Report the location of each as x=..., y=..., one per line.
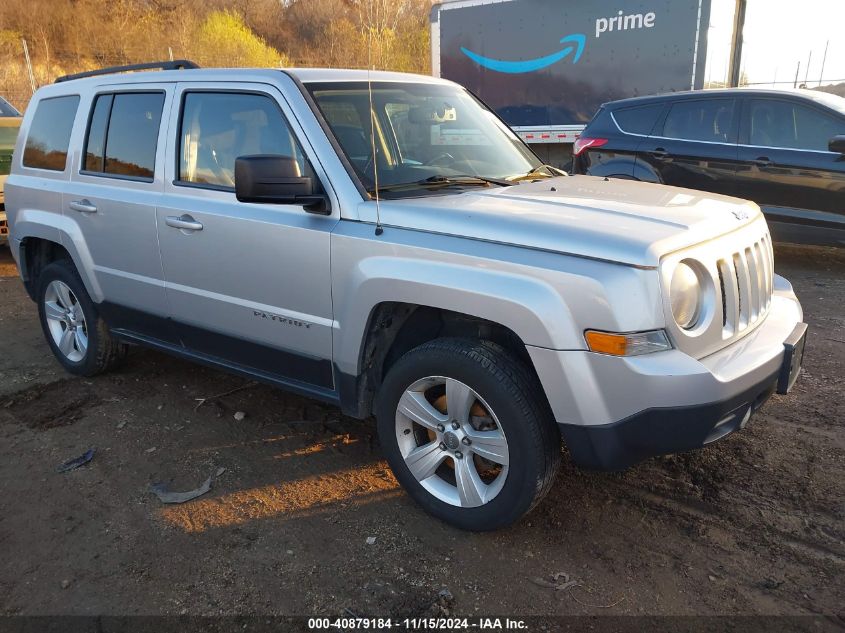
x=49, y=134
x=776, y=123
x=701, y=120
x=123, y=134
x=639, y=120
x=217, y=128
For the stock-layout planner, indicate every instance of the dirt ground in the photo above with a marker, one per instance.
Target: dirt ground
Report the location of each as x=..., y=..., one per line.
x=754, y=524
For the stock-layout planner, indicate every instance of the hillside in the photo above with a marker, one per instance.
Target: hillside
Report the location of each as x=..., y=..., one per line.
x=836, y=89
x=65, y=36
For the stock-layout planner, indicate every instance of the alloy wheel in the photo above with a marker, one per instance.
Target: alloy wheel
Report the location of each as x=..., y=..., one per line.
x=66, y=321
x=452, y=442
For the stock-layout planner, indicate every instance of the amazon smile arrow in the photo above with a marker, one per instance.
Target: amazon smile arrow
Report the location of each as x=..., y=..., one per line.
x=530, y=65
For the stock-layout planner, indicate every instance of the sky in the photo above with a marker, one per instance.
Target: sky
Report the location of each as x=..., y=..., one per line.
x=778, y=34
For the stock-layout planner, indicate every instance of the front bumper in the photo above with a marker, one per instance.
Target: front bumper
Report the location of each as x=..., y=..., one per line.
x=613, y=412
x=662, y=431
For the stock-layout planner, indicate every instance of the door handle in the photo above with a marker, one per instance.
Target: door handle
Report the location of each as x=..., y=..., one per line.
x=83, y=206
x=763, y=161
x=184, y=222
x=659, y=152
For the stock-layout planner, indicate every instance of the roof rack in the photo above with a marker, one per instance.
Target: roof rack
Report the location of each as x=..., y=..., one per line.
x=178, y=64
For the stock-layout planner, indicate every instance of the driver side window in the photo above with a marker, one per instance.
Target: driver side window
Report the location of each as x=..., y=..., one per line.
x=218, y=127
x=778, y=123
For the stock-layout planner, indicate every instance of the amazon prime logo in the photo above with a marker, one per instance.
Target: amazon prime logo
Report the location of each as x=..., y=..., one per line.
x=616, y=23
x=740, y=214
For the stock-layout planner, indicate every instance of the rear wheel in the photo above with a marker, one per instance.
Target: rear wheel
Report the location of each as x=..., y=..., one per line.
x=76, y=333
x=467, y=432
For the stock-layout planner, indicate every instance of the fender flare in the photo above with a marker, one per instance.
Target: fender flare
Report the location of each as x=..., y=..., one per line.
x=527, y=306
x=59, y=229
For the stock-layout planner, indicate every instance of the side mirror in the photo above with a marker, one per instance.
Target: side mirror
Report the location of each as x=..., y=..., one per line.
x=273, y=179
x=837, y=144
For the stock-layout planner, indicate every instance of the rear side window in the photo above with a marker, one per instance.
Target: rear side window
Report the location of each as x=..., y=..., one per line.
x=49, y=134
x=701, y=120
x=95, y=142
x=123, y=134
x=638, y=120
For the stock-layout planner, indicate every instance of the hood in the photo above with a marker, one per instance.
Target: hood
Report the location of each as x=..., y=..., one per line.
x=623, y=221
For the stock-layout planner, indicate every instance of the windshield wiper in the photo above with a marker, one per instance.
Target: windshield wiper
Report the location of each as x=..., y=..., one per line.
x=540, y=171
x=441, y=182
x=502, y=182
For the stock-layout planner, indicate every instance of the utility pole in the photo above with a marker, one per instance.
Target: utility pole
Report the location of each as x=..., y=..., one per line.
x=824, y=59
x=807, y=72
x=28, y=65
x=736, y=43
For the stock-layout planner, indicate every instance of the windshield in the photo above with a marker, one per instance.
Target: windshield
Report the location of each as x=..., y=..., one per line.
x=428, y=134
x=6, y=109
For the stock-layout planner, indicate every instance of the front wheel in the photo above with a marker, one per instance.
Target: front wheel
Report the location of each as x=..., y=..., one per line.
x=467, y=433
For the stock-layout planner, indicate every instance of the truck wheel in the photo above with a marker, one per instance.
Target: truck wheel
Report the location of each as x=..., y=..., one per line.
x=79, y=338
x=467, y=432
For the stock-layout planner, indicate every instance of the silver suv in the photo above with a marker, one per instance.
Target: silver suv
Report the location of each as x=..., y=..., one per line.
x=385, y=243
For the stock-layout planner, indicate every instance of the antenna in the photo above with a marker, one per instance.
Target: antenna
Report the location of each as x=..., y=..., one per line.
x=379, y=229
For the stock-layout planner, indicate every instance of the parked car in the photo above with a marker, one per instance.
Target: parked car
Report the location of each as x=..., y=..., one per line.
x=785, y=150
x=10, y=120
x=237, y=218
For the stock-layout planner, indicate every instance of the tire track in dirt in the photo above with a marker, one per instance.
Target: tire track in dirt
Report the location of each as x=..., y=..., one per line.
x=49, y=405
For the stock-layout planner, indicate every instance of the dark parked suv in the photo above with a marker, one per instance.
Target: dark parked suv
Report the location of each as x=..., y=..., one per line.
x=785, y=150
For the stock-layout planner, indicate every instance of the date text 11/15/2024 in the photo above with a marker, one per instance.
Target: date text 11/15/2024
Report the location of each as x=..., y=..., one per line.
x=416, y=624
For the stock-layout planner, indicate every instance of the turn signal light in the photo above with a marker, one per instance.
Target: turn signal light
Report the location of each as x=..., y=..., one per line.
x=627, y=344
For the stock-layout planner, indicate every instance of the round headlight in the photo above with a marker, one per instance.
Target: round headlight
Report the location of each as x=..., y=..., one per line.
x=685, y=296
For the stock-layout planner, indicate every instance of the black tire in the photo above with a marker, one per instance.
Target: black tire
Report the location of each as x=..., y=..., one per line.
x=103, y=351
x=513, y=393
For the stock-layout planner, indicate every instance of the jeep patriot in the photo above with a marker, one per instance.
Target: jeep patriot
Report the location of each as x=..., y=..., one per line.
x=383, y=242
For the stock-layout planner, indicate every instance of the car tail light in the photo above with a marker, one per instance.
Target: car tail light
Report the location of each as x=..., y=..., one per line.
x=583, y=142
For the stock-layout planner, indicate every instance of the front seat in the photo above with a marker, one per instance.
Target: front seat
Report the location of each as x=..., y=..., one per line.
x=762, y=122
x=722, y=124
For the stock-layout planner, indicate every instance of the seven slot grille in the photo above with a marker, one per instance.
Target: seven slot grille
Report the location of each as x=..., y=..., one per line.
x=746, y=279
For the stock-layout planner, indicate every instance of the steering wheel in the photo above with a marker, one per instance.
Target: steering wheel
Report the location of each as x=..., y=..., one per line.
x=436, y=160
